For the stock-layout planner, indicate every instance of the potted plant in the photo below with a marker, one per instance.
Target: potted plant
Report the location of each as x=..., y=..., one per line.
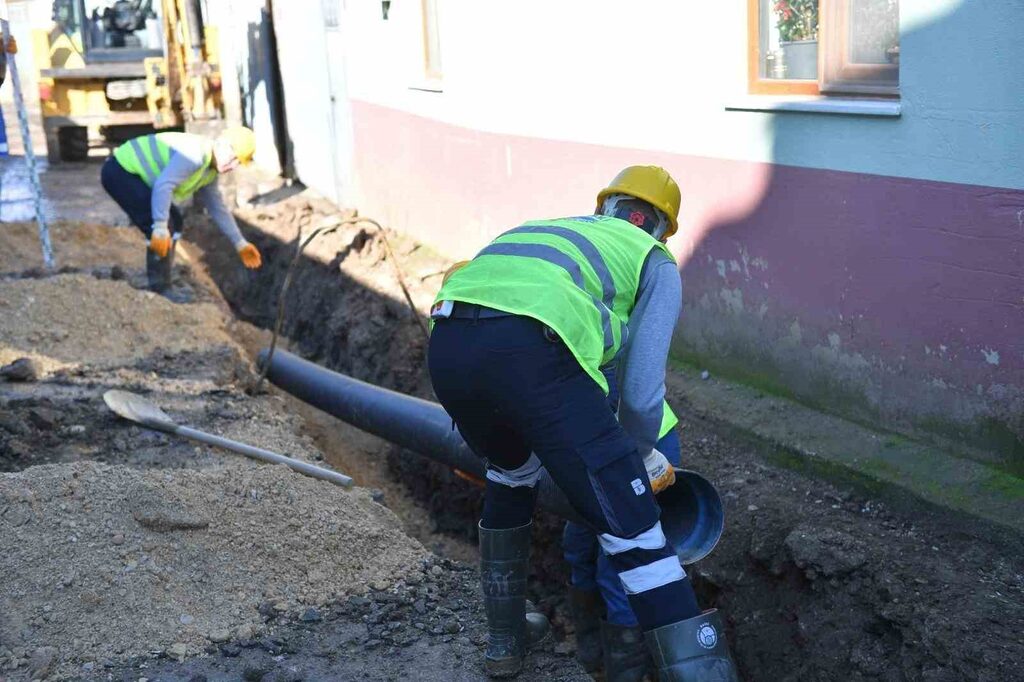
x=797, y=21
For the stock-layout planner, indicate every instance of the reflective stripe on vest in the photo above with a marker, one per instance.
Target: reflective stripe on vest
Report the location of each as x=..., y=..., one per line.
x=596, y=261
x=668, y=420
x=578, y=276
x=147, y=156
x=556, y=257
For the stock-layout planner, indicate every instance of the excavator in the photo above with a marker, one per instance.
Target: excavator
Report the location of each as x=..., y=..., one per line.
x=109, y=70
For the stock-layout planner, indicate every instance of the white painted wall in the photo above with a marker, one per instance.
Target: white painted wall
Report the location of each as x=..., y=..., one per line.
x=657, y=75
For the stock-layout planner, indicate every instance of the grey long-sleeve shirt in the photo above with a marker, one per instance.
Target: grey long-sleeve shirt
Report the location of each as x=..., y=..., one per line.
x=186, y=158
x=641, y=370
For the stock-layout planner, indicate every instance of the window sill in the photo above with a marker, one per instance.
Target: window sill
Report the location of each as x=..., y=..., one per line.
x=846, y=106
x=429, y=85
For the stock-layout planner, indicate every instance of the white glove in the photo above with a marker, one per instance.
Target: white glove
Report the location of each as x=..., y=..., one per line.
x=659, y=470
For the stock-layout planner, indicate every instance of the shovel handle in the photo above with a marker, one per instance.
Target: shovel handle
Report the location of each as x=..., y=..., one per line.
x=266, y=456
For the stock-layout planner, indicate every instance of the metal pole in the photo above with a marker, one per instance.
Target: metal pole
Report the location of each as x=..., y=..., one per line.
x=26, y=136
x=266, y=456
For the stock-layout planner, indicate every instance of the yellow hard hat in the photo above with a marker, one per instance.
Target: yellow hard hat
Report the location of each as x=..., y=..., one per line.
x=452, y=270
x=654, y=185
x=242, y=141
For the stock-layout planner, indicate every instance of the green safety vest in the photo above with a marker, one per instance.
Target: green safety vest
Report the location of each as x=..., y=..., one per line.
x=147, y=156
x=578, y=276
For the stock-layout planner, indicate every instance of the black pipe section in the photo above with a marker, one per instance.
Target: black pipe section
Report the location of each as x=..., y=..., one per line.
x=412, y=423
x=691, y=510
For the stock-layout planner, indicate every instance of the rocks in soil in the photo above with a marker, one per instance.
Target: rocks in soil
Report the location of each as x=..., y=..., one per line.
x=40, y=665
x=22, y=369
x=825, y=552
x=154, y=511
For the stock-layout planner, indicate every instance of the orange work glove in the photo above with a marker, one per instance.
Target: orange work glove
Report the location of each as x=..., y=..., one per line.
x=659, y=470
x=250, y=256
x=160, y=240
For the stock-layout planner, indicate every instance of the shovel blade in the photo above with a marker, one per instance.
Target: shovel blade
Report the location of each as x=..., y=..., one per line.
x=135, y=408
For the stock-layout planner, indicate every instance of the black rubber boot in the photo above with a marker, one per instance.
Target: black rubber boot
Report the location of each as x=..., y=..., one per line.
x=693, y=650
x=504, y=565
x=586, y=608
x=626, y=658
x=158, y=270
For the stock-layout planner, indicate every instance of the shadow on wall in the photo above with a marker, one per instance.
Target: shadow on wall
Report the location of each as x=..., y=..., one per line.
x=886, y=300
x=262, y=94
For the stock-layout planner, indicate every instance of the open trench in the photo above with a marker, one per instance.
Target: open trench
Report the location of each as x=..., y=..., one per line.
x=817, y=582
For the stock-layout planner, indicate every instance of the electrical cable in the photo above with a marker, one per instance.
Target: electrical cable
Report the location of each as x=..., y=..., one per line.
x=300, y=246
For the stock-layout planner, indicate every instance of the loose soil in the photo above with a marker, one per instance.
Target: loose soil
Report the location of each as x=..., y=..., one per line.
x=110, y=561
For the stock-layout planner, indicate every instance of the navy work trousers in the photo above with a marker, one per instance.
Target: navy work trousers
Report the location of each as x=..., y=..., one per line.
x=134, y=197
x=514, y=390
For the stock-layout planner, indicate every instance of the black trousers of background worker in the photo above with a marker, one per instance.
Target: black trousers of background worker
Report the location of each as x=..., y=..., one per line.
x=135, y=197
x=514, y=389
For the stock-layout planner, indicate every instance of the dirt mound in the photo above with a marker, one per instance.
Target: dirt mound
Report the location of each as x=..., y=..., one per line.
x=112, y=562
x=75, y=319
x=75, y=245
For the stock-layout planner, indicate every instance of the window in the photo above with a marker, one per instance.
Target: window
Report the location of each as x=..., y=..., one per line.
x=431, y=41
x=831, y=47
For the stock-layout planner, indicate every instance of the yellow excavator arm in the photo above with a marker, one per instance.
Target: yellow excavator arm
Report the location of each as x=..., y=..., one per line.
x=185, y=85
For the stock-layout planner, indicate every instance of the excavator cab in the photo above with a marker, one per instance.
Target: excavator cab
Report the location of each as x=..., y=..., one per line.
x=111, y=30
x=111, y=70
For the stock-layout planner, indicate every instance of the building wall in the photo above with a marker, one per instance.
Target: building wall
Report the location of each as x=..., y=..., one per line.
x=870, y=266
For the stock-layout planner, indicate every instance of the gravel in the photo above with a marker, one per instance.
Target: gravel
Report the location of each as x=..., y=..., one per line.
x=112, y=562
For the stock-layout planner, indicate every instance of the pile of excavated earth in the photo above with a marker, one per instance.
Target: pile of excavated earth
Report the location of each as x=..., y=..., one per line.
x=105, y=561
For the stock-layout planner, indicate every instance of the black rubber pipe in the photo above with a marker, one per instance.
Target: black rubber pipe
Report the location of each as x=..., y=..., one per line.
x=691, y=509
x=412, y=423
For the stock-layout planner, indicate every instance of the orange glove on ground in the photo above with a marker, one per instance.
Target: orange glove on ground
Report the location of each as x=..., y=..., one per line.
x=160, y=240
x=250, y=256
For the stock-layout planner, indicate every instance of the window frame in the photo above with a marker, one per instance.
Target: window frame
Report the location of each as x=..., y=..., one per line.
x=836, y=76
x=770, y=86
x=431, y=20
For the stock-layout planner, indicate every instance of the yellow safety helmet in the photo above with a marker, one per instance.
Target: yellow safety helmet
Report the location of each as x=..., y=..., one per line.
x=654, y=185
x=242, y=141
x=452, y=270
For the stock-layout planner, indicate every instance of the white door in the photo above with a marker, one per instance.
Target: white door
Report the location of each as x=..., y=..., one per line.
x=304, y=58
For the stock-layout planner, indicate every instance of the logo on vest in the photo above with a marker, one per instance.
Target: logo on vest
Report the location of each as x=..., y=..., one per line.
x=638, y=486
x=637, y=218
x=707, y=637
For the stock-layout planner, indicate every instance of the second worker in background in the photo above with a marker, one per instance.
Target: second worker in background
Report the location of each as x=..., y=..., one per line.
x=148, y=174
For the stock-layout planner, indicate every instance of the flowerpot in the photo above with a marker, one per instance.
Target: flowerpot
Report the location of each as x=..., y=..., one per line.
x=801, y=58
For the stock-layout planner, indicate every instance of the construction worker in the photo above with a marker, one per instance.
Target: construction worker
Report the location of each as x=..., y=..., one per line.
x=147, y=174
x=608, y=635
x=519, y=337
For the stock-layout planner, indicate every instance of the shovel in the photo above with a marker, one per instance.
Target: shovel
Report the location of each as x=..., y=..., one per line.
x=141, y=411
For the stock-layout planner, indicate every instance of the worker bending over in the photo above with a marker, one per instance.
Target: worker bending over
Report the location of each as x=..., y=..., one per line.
x=148, y=174
x=520, y=336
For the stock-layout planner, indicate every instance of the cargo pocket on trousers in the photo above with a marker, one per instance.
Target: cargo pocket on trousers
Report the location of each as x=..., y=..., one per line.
x=623, y=491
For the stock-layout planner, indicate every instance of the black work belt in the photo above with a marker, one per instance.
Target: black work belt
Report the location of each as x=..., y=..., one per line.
x=472, y=311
